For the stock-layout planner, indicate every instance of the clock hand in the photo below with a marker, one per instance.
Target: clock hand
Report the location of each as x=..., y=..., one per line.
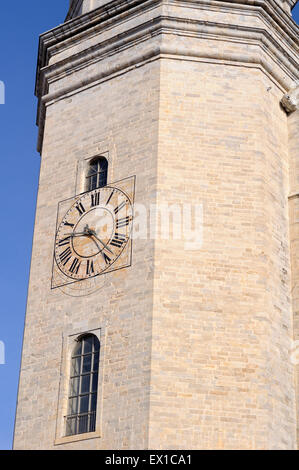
x=99, y=248
x=86, y=232
x=92, y=232
x=78, y=234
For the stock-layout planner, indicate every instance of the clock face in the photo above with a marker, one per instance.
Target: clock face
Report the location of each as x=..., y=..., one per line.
x=93, y=233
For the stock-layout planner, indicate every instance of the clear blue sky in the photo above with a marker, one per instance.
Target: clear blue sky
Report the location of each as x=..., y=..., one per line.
x=21, y=23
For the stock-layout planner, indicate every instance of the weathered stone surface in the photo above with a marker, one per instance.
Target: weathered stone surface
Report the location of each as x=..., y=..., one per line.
x=195, y=344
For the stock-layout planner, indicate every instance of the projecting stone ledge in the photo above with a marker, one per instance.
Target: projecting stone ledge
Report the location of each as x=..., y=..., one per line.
x=79, y=7
x=290, y=100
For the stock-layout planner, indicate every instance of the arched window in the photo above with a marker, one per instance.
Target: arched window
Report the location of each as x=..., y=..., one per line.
x=82, y=402
x=97, y=173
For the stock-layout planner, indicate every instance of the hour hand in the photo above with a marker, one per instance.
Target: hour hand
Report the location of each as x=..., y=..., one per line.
x=86, y=232
x=76, y=234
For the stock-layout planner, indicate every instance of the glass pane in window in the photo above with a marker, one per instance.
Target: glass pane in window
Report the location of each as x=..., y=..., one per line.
x=74, y=387
x=92, y=422
x=73, y=406
x=94, y=385
x=85, y=384
x=102, y=179
x=71, y=426
x=103, y=164
x=96, y=362
x=93, y=403
x=76, y=363
x=93, y=182
x=93, y=168
x=83, y=424
x=86, y=364
x=96, y=344
x=88, y=345
x=78, y=349
x=84, y=402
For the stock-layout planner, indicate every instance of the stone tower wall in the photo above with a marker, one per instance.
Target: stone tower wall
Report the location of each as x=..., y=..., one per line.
x=195, y=343
x=291, y=104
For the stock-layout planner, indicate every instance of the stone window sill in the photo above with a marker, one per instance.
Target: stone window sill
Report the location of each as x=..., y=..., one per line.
x=77, y=438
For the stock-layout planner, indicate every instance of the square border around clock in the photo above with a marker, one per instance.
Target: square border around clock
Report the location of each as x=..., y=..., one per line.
x=125, y=260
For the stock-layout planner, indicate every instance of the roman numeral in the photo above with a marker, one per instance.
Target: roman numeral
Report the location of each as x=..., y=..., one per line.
x=65, y=256
x=69, y=225
x=89, y=267
x=106, y=258
x=119, y=208
x=110, y=197
x=64, y=241
x=80, y=208
x=118, y=240
x=123, y=222
x=75, y=266
x=95, y=199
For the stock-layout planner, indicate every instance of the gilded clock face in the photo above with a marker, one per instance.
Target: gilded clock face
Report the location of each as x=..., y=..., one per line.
x=93, y=233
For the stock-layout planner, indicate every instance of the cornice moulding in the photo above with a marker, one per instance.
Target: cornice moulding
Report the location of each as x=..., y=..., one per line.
x=115, y=8
x=76, y=6
x=292, y=3
x=280, y=48
x=61, y=37
x=169, y=25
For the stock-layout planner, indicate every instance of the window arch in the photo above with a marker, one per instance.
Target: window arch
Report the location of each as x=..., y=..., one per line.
x=97, y=173
x=82, y=398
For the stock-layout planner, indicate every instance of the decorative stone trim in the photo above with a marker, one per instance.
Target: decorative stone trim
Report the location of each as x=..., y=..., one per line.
x=57, y=39
x=275, y=54
x=76, y=5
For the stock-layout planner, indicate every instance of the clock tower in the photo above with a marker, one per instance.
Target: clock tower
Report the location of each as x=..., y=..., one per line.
x=163, y=296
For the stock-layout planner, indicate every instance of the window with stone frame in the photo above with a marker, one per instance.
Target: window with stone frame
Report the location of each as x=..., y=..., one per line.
x=83, y=388
x=97, y=173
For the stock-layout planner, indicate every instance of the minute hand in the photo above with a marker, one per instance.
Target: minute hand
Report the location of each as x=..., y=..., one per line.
x=102, y=243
